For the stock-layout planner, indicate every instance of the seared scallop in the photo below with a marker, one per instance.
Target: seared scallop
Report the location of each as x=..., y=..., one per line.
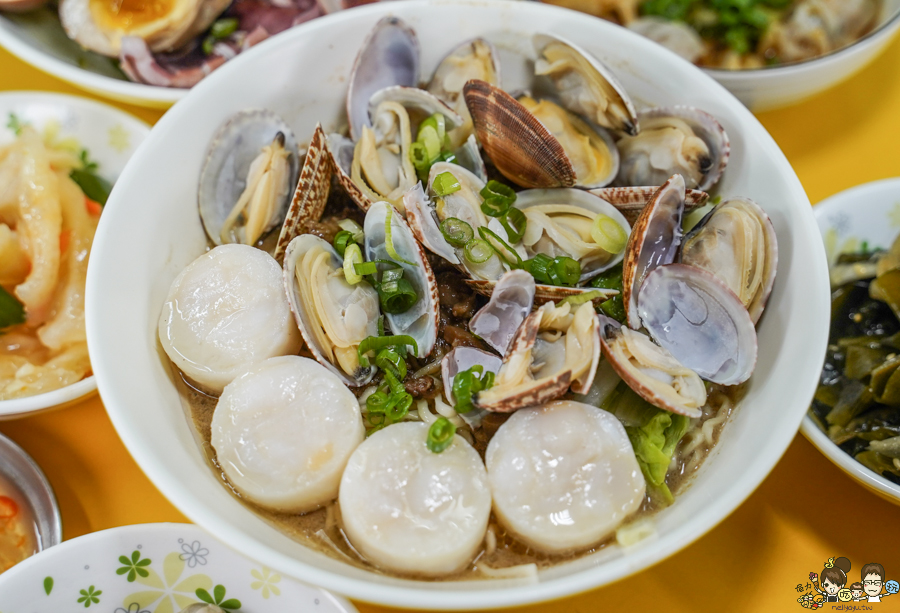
x=563, y=476
x=283, y=432
x=409, y=510
x=226, y=311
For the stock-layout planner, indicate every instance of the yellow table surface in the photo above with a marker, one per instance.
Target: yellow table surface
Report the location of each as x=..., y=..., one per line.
x=805, y=512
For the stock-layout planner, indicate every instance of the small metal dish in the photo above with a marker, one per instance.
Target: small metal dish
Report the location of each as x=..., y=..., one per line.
x=25, y=475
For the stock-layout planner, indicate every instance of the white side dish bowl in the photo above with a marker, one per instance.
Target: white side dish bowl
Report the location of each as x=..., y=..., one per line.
x=111, y=136
x=763, y=89
x=151, y=230
x=869, y=212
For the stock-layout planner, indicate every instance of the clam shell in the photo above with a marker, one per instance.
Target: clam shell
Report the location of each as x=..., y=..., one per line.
x=644, y=386
x=295, y=250
x=438, y=86
x=421, y=321
x=510, y=303
x=705, y=126
x=627, y=120
x=340, y=149
x=582, y=199
x=546, y=293
x=388, y=56
x=414, y=98
x=458, y=360
x=311, y=193
x=519, y=145
x=231, y=151
x=424, y=225
x=654, y=241
x=701, y=322
x=630, y=201
x=469, y=157
x=758, y=302
x=537, y=392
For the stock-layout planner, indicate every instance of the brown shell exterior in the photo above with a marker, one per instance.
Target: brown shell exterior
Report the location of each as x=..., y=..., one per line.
x=631, y=200
x=544, y=293
x=519, y=145
x=636, y=386
x=311, y=193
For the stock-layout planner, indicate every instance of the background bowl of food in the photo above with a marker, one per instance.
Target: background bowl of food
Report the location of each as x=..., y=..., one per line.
x=59, y=156
x=140, y=55
x=140, y=304
x=853, y=420
x=768, y=53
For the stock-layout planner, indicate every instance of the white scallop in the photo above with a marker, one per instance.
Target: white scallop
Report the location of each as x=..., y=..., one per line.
x=409, y=510
x=226, y=311
x=563, y=475
x=283, y=433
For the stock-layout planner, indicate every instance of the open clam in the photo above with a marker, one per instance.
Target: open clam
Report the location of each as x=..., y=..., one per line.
x=386, y=232
x=538, y=143
x=651, y=371
x=630, y=201
x=473, y=59
x=248, y=177
x=677, y=140
x=555, y=348
x=511, y=301
x=585, y=84
x=654, y=241
x=333, y=316
x=701, y=322
x=736, y=242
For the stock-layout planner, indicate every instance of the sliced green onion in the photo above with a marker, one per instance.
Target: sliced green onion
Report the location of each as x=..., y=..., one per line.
x=491, y=237
x=393, y=382
x=428, y=137
x=353, y=228
x=396, y=296
x=581, y=298
x=222, y=28
x=208, y=44
x=381, y=325
x=538, y=267
x=377, y=402
x=392, y=274
x=607, y=233
x=377, y=419
x=390, y=359
x=375, y=343
x=565, y=271
x=447, y=156
x=400, y=406
x=353, y=259
x=497, y=198
x=456, y=232
x=445, y=184
x=614, y=308
x=514, y=222
x=418, y=155
x=341, y=240
x=609, y=279
x=12, y=312
x=366, y=268
x=438, y=123
x=388, y=243
x=478, y=251
x=465, y=385
x=440, y=435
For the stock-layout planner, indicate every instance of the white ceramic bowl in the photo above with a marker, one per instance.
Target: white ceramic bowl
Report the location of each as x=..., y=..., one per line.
x=153, y=567
x=151, y=230
x=111, y=136
x=773, y=87
x=869, y=212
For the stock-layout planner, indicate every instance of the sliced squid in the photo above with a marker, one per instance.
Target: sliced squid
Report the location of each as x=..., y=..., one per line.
x=224, y=312
x=283, y=432
x=563, y=476
x=409, y=510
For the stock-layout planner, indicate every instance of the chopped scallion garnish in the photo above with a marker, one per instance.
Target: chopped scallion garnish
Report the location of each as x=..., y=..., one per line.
x=388, y=242
x=456, y=232
x=515, y=223
x=478, y=251
x=440, y=435
x=353, y=259
x=608, y=234
x=375, y=343
x=497, y=198
x=468, y=383
x=581, y=298
x=445, y=184
x=341, y=240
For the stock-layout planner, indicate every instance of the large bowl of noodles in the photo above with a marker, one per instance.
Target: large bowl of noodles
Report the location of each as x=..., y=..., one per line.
x=151, y=231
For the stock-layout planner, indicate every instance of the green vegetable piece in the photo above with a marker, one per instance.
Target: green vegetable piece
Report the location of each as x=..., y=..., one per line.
x=440, y=435
x=396, y=296
x=94, y=186
x=579, y=299
x=390, y=359
x=615, y=308
x=855, y=398
x=341, y=240
x=456, y=232
x=388, y=241
x=497, y=198
x=223, y=28
x=862, y=360
x=515, y=223
x=466, y=384
x=565, y=271
x=12, y=312
x=890, y=395
x=478, y=251
x=503, y=249
x=877, y=463
x=375, y=343
x=889, y=447
x=882, y=374
x=445, y=184
x=208, y=44
x=15, y=124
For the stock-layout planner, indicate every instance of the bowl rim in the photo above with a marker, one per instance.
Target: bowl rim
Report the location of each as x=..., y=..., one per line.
x=38, y=480
x=808, y=427
x=29, y=405
x=85, y=79
x=509, y=595
x=886, y=29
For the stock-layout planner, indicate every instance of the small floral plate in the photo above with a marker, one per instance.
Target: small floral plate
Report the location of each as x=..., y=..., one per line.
x=153, y=568
x=110, y=136
x=865, y=216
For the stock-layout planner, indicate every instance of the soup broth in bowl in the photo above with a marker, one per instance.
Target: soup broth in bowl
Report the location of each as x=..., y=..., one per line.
x=159, y=427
